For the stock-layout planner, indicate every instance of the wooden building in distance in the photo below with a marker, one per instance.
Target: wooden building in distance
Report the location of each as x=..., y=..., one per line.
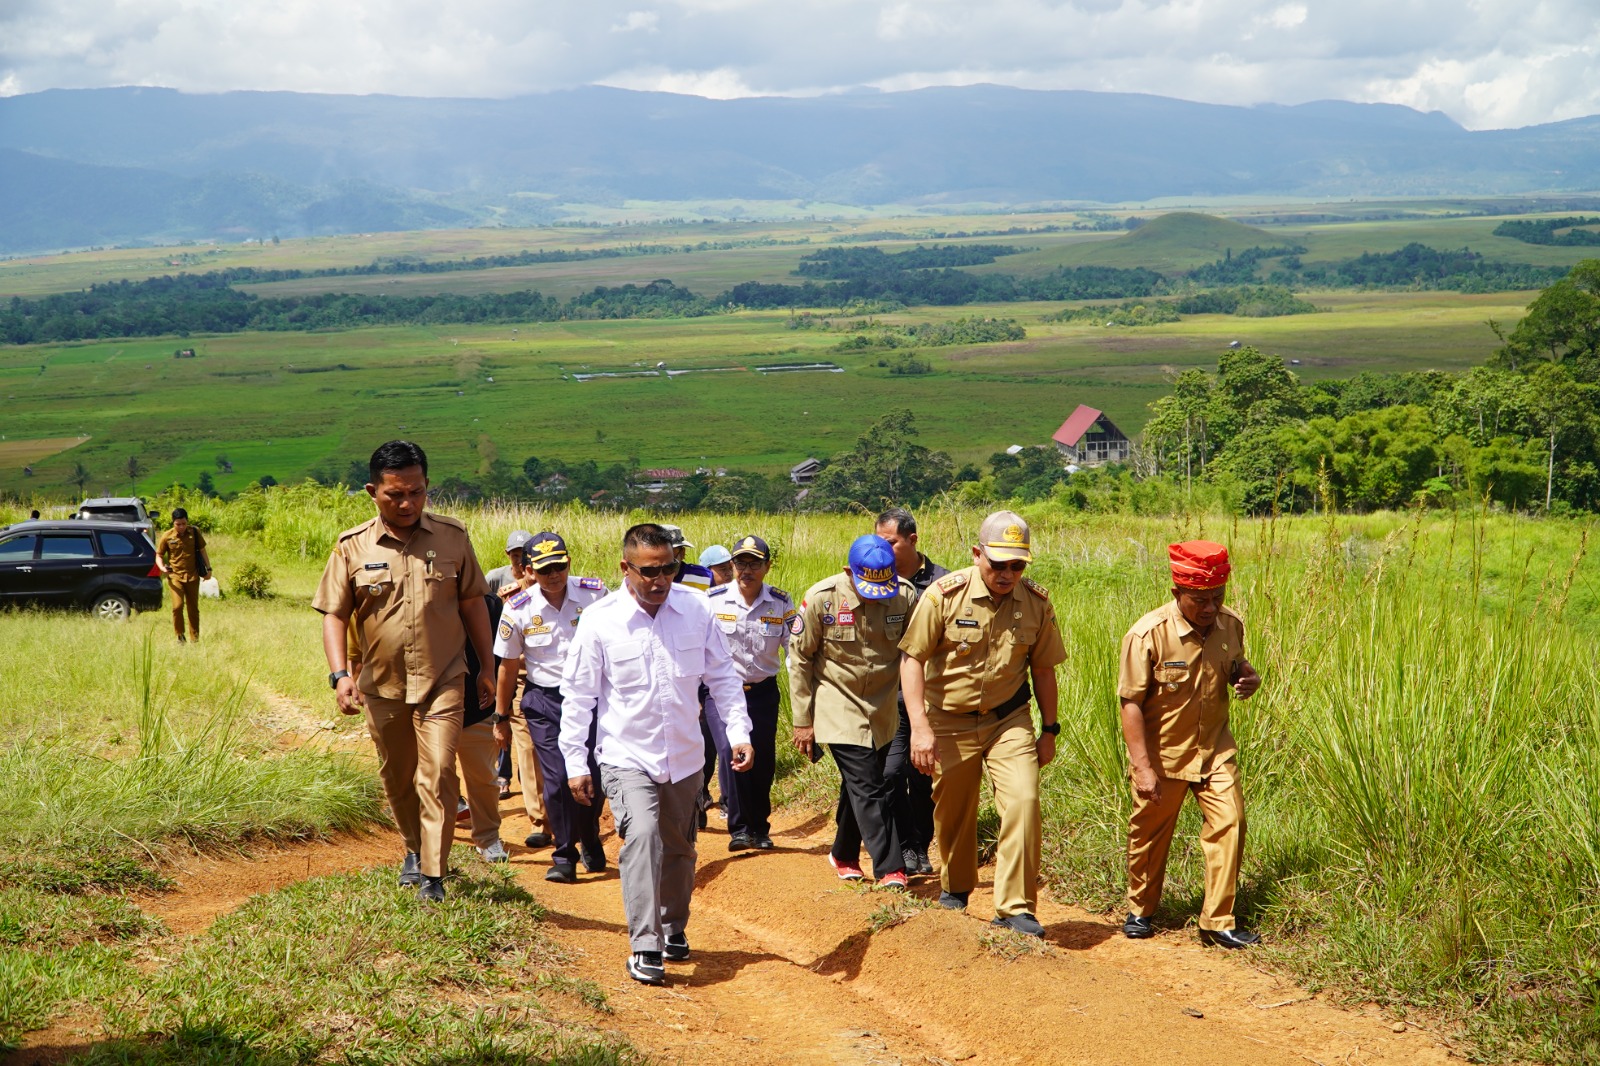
x=1088, y=436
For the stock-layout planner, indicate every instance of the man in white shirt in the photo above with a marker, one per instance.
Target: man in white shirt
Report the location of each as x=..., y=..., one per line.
x=754, y=618
x=536, y=629
x=634, y=670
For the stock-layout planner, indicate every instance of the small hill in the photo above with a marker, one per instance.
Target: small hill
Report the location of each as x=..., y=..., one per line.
x=1179, y=241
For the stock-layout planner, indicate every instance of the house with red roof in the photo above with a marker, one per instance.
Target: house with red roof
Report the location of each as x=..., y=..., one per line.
x=1088, y=437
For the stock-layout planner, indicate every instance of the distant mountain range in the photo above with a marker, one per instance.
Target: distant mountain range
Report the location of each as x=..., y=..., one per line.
x=102, y=166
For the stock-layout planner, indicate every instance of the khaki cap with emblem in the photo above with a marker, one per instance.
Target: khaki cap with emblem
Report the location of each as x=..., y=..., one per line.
x=1004, y=536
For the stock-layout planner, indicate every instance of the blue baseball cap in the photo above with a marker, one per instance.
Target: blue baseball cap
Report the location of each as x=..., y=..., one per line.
x=872, y=567
x=753, y=545
x=715, y=555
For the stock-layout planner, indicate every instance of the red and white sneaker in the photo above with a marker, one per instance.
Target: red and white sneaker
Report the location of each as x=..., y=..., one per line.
x=893, y=880
x=847, y=871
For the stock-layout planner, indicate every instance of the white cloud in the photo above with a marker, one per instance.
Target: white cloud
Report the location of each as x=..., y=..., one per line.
x=1483, y=62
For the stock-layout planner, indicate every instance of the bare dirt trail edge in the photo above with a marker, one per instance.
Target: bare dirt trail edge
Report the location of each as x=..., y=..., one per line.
x=786, y=969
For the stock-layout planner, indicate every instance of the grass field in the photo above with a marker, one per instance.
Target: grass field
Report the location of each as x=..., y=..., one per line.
x=1420, y=766
x=283, y=404
x=287, y=403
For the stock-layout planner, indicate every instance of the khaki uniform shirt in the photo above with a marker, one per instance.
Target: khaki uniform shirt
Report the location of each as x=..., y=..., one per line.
x=1182, y=684
x=404, y=597
x=182, y=553
x=977, y=650
x=844, y=662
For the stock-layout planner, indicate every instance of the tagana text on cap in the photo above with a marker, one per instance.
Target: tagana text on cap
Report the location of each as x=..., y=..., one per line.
x=1199, y=564
x=518, y=539
x=872, y=567
x=752, y=545
x=546, y=548
x=1004, y=536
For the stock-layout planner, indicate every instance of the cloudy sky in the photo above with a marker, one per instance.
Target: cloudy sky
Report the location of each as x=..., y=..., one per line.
x=1485, y=63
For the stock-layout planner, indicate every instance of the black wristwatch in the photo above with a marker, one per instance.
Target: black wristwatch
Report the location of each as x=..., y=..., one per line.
x=1054, y=728
x=333, y=678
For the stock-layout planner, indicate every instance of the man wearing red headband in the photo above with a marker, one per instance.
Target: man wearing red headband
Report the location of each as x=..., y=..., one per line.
x=1177, y=664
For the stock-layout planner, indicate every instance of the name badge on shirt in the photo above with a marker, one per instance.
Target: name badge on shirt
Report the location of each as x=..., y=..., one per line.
x=847, y=618
x=967, y=623
x=375, y=566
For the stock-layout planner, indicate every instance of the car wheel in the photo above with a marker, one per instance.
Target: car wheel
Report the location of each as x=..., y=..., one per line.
x=112, y=607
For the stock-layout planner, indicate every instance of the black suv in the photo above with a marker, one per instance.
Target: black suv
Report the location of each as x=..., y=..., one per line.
x=108, y=567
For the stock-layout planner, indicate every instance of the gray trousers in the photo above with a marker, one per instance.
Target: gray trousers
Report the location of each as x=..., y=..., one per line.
x=657, y=826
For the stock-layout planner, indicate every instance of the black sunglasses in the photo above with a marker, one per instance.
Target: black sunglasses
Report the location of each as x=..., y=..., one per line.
x=664, y=570
x=1016, y=566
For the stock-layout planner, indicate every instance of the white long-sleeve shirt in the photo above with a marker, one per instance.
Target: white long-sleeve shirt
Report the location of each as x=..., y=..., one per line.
x=641, y=676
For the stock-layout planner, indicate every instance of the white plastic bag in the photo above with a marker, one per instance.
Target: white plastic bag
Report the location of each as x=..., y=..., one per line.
x=210, y=589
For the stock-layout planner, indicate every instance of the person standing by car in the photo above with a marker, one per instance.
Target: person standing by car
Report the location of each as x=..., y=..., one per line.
x=181, y=558
x=410, y=581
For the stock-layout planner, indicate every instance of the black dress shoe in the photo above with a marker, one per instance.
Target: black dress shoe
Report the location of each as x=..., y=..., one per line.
x=740, y=842
x=953, y=901
x=1229, y=938
x=594, y=860
x=764, y=844
x=562, y=873
x=1023, y=923
x=540, y=839
x=1136, y=928
x=432, y=890
x=411, y=870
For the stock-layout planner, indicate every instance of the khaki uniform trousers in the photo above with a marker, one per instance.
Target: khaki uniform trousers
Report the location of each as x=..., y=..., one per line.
x=1221, y=843
x=527, y=764
x=969, y=745
x=416, y=745
x=185, y=595
x=477, y=752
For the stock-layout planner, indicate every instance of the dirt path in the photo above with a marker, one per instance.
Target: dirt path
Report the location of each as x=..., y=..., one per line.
x=786, y=969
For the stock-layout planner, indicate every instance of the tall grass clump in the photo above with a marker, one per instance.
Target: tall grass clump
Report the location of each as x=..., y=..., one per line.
x=202, y=783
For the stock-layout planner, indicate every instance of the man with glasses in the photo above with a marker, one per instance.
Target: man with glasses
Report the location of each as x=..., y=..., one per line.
x=976, y=639
x=843, y=681
x=754, y=618
x=630, y=682
x=536, y=630
x=1177, y=664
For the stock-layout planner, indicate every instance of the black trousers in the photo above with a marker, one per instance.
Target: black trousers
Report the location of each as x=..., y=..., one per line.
x=571, y=823
x=748, y=796
x=866, y=809
x=912, y=790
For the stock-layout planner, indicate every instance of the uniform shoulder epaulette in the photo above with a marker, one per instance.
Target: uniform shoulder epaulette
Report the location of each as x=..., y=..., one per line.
x=1036, y=588
x=353, y=530
x=779, y=594
x=446, y=520
x=951, y=582
x=1147, y=622
x=720, y=590
x=520, y=600
x=592, y=583
x=1231, y=613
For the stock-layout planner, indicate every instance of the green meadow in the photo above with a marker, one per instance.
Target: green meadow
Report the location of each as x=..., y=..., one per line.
x=286, y=404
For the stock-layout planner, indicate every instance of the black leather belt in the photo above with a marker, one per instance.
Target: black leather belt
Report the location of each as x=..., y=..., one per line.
x=1019, y=699
x=763, y=683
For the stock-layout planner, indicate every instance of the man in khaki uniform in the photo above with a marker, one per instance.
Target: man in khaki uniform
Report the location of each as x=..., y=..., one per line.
x=976, y=639
x=410, y=583
x=843, y=689
x=1177, y=664
x=181, y=557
